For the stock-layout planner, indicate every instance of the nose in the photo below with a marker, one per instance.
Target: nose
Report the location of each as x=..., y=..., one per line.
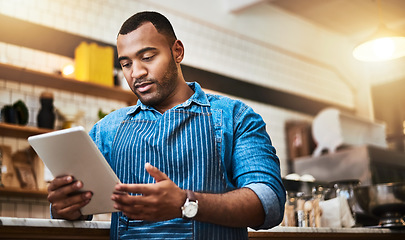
x=138, y=70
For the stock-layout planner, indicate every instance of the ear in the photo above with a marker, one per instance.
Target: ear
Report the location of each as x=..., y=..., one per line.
x=178, y=51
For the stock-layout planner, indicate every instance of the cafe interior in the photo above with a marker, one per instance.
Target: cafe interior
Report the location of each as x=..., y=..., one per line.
x=327, y=77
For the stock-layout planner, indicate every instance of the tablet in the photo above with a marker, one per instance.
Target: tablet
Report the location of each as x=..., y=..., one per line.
x=72, y=152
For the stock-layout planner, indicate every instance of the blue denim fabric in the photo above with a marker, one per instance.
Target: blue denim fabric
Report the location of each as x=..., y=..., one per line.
x=247, y=155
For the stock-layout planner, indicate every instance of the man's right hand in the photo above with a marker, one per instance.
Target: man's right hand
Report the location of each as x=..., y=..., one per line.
x=66, y=199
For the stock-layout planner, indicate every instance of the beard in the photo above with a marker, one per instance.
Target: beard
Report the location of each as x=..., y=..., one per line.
x=164, y=88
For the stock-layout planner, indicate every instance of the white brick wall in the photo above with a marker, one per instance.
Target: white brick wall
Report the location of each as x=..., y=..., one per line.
x=207, y=46
x=11, y=91
x=24, y=207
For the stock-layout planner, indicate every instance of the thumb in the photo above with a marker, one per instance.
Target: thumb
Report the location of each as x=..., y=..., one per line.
x=155, y=173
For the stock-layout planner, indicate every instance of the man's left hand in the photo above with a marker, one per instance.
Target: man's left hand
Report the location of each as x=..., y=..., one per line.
x=152, y=202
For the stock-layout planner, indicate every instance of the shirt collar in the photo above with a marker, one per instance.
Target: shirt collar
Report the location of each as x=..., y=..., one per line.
x=199, y=97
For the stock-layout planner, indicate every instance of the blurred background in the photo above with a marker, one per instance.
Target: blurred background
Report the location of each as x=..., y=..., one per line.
x=288, y=59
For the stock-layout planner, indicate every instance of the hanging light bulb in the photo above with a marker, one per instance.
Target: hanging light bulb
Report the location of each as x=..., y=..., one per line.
x=383, y=45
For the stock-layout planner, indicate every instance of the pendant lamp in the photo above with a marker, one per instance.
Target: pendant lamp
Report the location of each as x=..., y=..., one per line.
x=383, y=45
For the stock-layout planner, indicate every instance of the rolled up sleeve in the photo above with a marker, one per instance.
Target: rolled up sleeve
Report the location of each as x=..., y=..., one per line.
x=255, y=165
x=271, y=205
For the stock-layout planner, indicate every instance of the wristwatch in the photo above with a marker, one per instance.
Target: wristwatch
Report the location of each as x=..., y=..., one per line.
x=190, y=207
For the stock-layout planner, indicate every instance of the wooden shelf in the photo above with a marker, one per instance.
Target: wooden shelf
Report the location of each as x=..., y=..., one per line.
x=22, y=75
x=18, y=131
x=19, y=192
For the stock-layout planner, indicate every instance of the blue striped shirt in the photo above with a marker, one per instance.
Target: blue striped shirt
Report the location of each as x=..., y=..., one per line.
x=209, y=143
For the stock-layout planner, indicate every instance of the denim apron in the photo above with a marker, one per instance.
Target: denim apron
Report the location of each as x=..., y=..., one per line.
x=181, y=144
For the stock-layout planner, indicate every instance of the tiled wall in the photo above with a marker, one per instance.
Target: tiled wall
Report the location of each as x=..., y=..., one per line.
x=32, y=208
x=207, y=47
x=11, y=91
x=23, y=207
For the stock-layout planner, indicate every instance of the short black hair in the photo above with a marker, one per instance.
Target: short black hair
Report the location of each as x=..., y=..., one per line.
x=161, y=23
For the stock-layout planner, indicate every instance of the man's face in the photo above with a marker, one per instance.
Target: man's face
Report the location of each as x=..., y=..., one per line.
x=148, y=65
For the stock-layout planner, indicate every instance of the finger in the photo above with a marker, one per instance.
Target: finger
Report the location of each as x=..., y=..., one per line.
x=143, y=189
x=59, y=182
x=71, y=211
x=65, y=190
x=155, y=173
x=71, y=204
x=125, y=206
x=119, y=195
x=136, y=211
x=72, y=200
x=134, y=200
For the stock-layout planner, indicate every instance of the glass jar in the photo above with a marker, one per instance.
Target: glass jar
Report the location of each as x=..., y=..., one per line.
x=345, y=188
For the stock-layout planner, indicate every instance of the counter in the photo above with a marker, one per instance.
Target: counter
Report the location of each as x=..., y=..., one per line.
x=35, y=228
x=30, y=228
x=324, y=233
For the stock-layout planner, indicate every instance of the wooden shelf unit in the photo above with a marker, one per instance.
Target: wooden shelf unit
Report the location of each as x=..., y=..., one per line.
x=20, y=192
x=18, y=131
x=22, y=75
x=35, y=36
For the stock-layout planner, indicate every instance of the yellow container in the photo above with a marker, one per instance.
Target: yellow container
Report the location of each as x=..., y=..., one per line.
x=94, y=63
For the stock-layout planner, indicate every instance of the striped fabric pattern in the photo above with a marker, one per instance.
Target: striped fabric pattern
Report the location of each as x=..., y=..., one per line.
x=180, y=143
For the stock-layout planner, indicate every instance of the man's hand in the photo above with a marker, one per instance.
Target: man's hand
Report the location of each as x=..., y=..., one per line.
x=154, y=202
x=163, y=201
x=66, y=199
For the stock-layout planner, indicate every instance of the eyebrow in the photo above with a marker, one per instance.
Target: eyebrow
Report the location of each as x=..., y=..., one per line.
x=138, y=53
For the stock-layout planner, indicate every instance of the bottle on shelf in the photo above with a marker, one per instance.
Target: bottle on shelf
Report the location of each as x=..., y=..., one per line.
x=46, y=115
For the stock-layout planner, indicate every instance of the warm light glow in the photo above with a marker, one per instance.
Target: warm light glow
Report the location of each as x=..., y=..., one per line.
x=384, y=44
x=68, y=70
x=380, y=49
x=383, y=47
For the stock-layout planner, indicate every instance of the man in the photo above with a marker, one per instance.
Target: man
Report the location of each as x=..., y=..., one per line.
x=193, y=165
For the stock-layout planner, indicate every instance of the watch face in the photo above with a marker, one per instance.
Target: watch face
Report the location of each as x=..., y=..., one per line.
x=190, y=210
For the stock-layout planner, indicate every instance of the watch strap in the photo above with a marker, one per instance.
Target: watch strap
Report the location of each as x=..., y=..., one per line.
x=191, y=196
